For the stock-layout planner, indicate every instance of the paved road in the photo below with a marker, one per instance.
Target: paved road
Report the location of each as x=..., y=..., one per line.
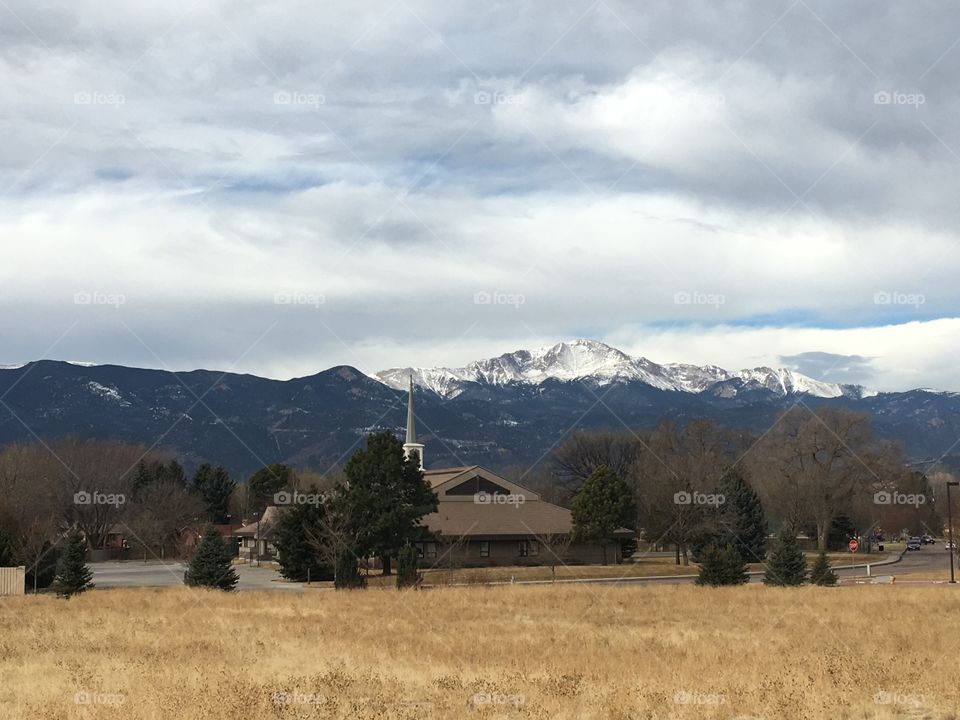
x=157, y=574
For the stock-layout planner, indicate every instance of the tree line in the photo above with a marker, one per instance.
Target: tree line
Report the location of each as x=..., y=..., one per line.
x=820, y=472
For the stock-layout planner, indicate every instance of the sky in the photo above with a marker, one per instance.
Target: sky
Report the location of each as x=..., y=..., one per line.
x=281, y=187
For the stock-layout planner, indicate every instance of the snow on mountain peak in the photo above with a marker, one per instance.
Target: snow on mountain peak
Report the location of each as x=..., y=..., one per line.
x=590, y=359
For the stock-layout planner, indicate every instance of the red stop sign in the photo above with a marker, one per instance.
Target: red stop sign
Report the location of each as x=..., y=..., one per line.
x=853, y=545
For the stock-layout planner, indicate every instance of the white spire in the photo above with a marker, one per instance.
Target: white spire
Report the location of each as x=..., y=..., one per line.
x=411, y=445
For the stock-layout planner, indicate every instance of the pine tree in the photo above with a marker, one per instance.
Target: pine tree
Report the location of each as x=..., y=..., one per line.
x=384, y=498
x=347, y=574
x=407, y=575
x=215, y=488
x=297, y=557
x=742, y=515
x=822, y=573
x=603, y=504
x=73, y=575
x=6, y=550
x=786, y=564
x=722, y=566
x=211, y=565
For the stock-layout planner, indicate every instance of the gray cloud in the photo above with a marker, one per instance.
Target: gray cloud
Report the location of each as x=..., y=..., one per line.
x=830, y=367
x=597, y=159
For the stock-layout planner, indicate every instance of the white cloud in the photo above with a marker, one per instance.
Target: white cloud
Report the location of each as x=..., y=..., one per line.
x=597, y=163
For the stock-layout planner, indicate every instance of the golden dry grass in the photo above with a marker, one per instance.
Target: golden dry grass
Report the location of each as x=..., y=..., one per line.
x=563, y=652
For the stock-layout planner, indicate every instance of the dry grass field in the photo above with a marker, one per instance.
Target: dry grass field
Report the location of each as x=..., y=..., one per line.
x=560, y=652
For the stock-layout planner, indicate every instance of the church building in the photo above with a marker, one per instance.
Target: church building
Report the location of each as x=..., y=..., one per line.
x=486, y=520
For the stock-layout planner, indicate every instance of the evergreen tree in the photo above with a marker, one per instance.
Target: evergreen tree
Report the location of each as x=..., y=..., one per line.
x=407, y=575
x=742, y=516
x=841, y=530
x=722, y=566
x=267, y=482
x=215, y=489
x=142, y=476
x=211, y=564
x=297, y=558
x=822, y=573
x=6, y=550
x=384, y=497
x=347, y=574
x=603, y=504
x=73, y=575
x=786, y=564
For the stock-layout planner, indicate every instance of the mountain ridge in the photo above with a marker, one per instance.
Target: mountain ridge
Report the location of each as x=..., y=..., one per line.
x=590, y=359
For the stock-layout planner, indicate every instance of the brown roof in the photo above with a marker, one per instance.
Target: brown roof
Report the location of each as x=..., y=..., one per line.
x=532, y=518
x=442, y=475
x=270, y=517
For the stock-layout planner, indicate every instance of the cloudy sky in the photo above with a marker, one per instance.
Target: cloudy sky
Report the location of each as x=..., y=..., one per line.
x=279, y=187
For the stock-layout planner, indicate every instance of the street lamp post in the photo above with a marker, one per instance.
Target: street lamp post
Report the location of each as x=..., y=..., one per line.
x=951, y=483
x=256, y=538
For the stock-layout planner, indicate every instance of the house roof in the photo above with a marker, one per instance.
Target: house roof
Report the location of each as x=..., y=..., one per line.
x=477, y=520
x=269, y=520
x=442, y=475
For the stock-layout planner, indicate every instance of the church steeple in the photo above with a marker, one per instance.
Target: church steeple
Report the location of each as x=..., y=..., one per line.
x=411, y=445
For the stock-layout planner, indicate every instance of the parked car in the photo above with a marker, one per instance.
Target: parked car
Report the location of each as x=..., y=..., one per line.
x=949, y=545
x=927, y=540
x=914, y=543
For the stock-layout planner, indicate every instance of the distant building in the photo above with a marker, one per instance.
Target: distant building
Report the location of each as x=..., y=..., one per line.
x=256, y=539
x=485, y=520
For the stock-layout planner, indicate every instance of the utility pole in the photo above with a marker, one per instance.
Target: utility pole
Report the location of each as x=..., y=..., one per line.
x=951, y=483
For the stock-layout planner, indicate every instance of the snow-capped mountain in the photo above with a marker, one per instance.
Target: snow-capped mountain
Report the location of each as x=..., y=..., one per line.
x=600, y=363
